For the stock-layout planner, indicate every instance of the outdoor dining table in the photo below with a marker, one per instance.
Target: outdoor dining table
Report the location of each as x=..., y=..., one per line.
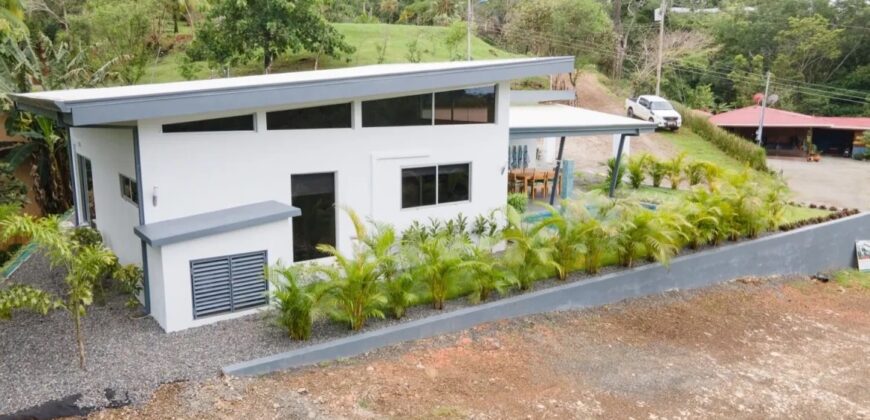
x=528, y=178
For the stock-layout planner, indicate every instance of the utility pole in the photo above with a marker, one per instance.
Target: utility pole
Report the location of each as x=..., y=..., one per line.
x=664, y=6
x=468, y=32
x=763, y=107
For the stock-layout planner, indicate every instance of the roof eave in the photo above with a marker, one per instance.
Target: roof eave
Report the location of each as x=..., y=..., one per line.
x=106, y=111
x=536, y=132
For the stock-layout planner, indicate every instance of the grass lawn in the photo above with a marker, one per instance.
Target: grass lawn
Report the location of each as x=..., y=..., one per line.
x=699, y=149
x=796, y=214
x=364, y=37
x=853, y=278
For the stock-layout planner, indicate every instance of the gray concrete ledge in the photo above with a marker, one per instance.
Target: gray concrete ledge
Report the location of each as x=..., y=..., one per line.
x=803, y=251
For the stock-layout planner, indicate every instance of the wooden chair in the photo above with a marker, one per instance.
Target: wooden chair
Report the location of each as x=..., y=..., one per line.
x=514, y=184
x=541, y=183
x=528, y=180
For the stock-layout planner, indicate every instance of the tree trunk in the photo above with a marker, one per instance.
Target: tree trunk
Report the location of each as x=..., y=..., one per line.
x=79, y=338
x=619, y=56
x=175, y=22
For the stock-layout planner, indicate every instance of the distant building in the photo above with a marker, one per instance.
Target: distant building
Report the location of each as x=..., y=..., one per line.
x=786, y=132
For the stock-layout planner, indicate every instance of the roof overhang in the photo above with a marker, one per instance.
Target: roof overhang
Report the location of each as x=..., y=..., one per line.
x=539, y=121
x=212, y=223
x=531, y=97
x=82, y=107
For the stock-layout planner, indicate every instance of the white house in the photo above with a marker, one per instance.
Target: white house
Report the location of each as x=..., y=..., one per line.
x=203, y=183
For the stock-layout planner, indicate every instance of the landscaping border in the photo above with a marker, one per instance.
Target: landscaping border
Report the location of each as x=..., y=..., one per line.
x=806, y=250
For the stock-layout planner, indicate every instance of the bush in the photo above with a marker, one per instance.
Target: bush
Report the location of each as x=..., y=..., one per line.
x=518, y=201
x=735, y=146
x=86, y=236
x=129, y=279
x=674, y=170
x=295, y=304
x=637, y=170
x=656, y=171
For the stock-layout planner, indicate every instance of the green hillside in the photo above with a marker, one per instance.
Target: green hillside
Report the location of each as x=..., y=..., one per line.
x=365, y=37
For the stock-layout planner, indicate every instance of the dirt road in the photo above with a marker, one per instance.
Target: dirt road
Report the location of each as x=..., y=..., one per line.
x=757, y=349
x=834, y=181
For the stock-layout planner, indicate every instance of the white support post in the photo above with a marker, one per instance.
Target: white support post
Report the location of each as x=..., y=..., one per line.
x=626, y=147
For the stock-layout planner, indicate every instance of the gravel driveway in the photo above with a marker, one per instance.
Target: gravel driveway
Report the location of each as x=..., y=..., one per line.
x=833, y=181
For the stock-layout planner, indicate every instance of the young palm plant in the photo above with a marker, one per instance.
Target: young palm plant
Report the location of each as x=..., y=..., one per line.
x=353, y=286
x=86, y=265
x=296, y=304
x=564, y=231
x=440, y=260
x=637, y=167
x=611, y=170
x=529, y=254
x=657, y=171
x=695, y=172
x=675, y=169
x=642, y=233
x=487, y=274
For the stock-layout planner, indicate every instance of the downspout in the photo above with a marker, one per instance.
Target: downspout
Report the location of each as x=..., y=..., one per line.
x=146, y=289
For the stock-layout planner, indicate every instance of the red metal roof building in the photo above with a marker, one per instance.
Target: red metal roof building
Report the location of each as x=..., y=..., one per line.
x=786, y=132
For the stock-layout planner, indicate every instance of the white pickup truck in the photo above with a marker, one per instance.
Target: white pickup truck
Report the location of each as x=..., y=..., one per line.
x=654, y=109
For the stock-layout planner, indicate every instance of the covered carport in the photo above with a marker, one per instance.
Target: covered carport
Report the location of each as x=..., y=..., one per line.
x=562, y=121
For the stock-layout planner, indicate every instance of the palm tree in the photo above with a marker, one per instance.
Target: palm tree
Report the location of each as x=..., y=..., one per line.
x=529, y=254
x=85, y=265
x=440, y=260
x=637, y=170
x=566, y=238
x=674, y=171
x=296, y=304
x=353, y=286
x=641, y=232
x=488, y=274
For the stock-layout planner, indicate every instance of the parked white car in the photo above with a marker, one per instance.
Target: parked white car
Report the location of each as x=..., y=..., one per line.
x=654, y=109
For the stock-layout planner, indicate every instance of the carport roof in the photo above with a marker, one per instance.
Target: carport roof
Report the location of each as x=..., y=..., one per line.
x=537, y=121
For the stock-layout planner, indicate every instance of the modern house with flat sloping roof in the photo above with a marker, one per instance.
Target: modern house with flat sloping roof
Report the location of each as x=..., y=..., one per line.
x=204, y=183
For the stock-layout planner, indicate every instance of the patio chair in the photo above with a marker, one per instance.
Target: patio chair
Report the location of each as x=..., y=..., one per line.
x=541, y=183
x=514, y=184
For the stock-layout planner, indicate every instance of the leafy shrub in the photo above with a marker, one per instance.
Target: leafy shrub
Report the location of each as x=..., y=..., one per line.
x=657, y=171
x=528, y=256
x=611, y=167
x=129, y=280
x=295, y=304
x=675, y=168
x=20, y=296
x=564, y=235
x=86, y=236
x=695, y=172
x=487, y=274
x=12, y=190
x=637, y=170
x=485, y=226
x=439, y=262
x=641, y=232
x=518, y=201
x=735, y=146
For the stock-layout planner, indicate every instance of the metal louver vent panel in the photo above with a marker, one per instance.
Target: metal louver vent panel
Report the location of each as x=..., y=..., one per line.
x=229, y=283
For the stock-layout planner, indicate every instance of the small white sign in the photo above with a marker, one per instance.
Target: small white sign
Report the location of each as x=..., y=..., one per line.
x=862, y=249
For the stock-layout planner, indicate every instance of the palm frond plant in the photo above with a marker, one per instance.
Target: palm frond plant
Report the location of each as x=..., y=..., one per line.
x=438, y=263
x=85, y=265
x=612, y=171
x=675, y=169
x=295, y=303
x=487, y=274
x=713, y=175
x=775, y=200
x=597, y=237
x=695, y=172
x=637, y=168
x=704, y=213
x=563, y=229
x=529, y=254
x=657, y=170
x=354, y=287
x=640, y=233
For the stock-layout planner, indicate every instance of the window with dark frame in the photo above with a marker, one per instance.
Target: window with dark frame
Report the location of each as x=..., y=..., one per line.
x=430, y=185
x=465, y=106
x=398, y=112
x=235, y=123
x=328, y=116
x=129, y=189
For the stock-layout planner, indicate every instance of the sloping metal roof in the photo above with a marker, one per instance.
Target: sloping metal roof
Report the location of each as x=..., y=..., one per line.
x=110, y=105
x=750, y=117
x=212, y=223
x=537, y=121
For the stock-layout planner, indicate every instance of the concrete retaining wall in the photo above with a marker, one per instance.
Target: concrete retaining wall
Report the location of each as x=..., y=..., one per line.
x=804, y=251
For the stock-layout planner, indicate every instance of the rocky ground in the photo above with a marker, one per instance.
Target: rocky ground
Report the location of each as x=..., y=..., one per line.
x=773, y=348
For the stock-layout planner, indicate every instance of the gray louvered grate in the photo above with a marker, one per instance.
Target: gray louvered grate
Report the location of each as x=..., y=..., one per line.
x=229, y=283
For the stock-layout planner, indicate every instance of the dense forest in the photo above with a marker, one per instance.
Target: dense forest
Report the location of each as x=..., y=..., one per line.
x=716, y=53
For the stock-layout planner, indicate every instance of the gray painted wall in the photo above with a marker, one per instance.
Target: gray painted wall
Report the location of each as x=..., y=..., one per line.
x=806, y=251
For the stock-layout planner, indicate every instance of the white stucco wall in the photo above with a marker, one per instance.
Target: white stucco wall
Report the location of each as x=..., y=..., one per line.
x=199, y=172
x=170, y=268
x=111, y=153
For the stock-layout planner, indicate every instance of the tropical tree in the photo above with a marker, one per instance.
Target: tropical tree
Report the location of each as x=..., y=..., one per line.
x=487, y=274
x=266, y=28
x=641, y=232
x=637, y=167
x=85, y=265
x=295, y=303
x=657, y=170
x=675, y=170
x=565, y=232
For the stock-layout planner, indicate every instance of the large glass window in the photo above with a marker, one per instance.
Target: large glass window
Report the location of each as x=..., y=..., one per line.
x=453, y=183
x=314, y=194
x=465, y=106
x=329, y=116
x=435, y=185
x=236, y=123
x=395, y=112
